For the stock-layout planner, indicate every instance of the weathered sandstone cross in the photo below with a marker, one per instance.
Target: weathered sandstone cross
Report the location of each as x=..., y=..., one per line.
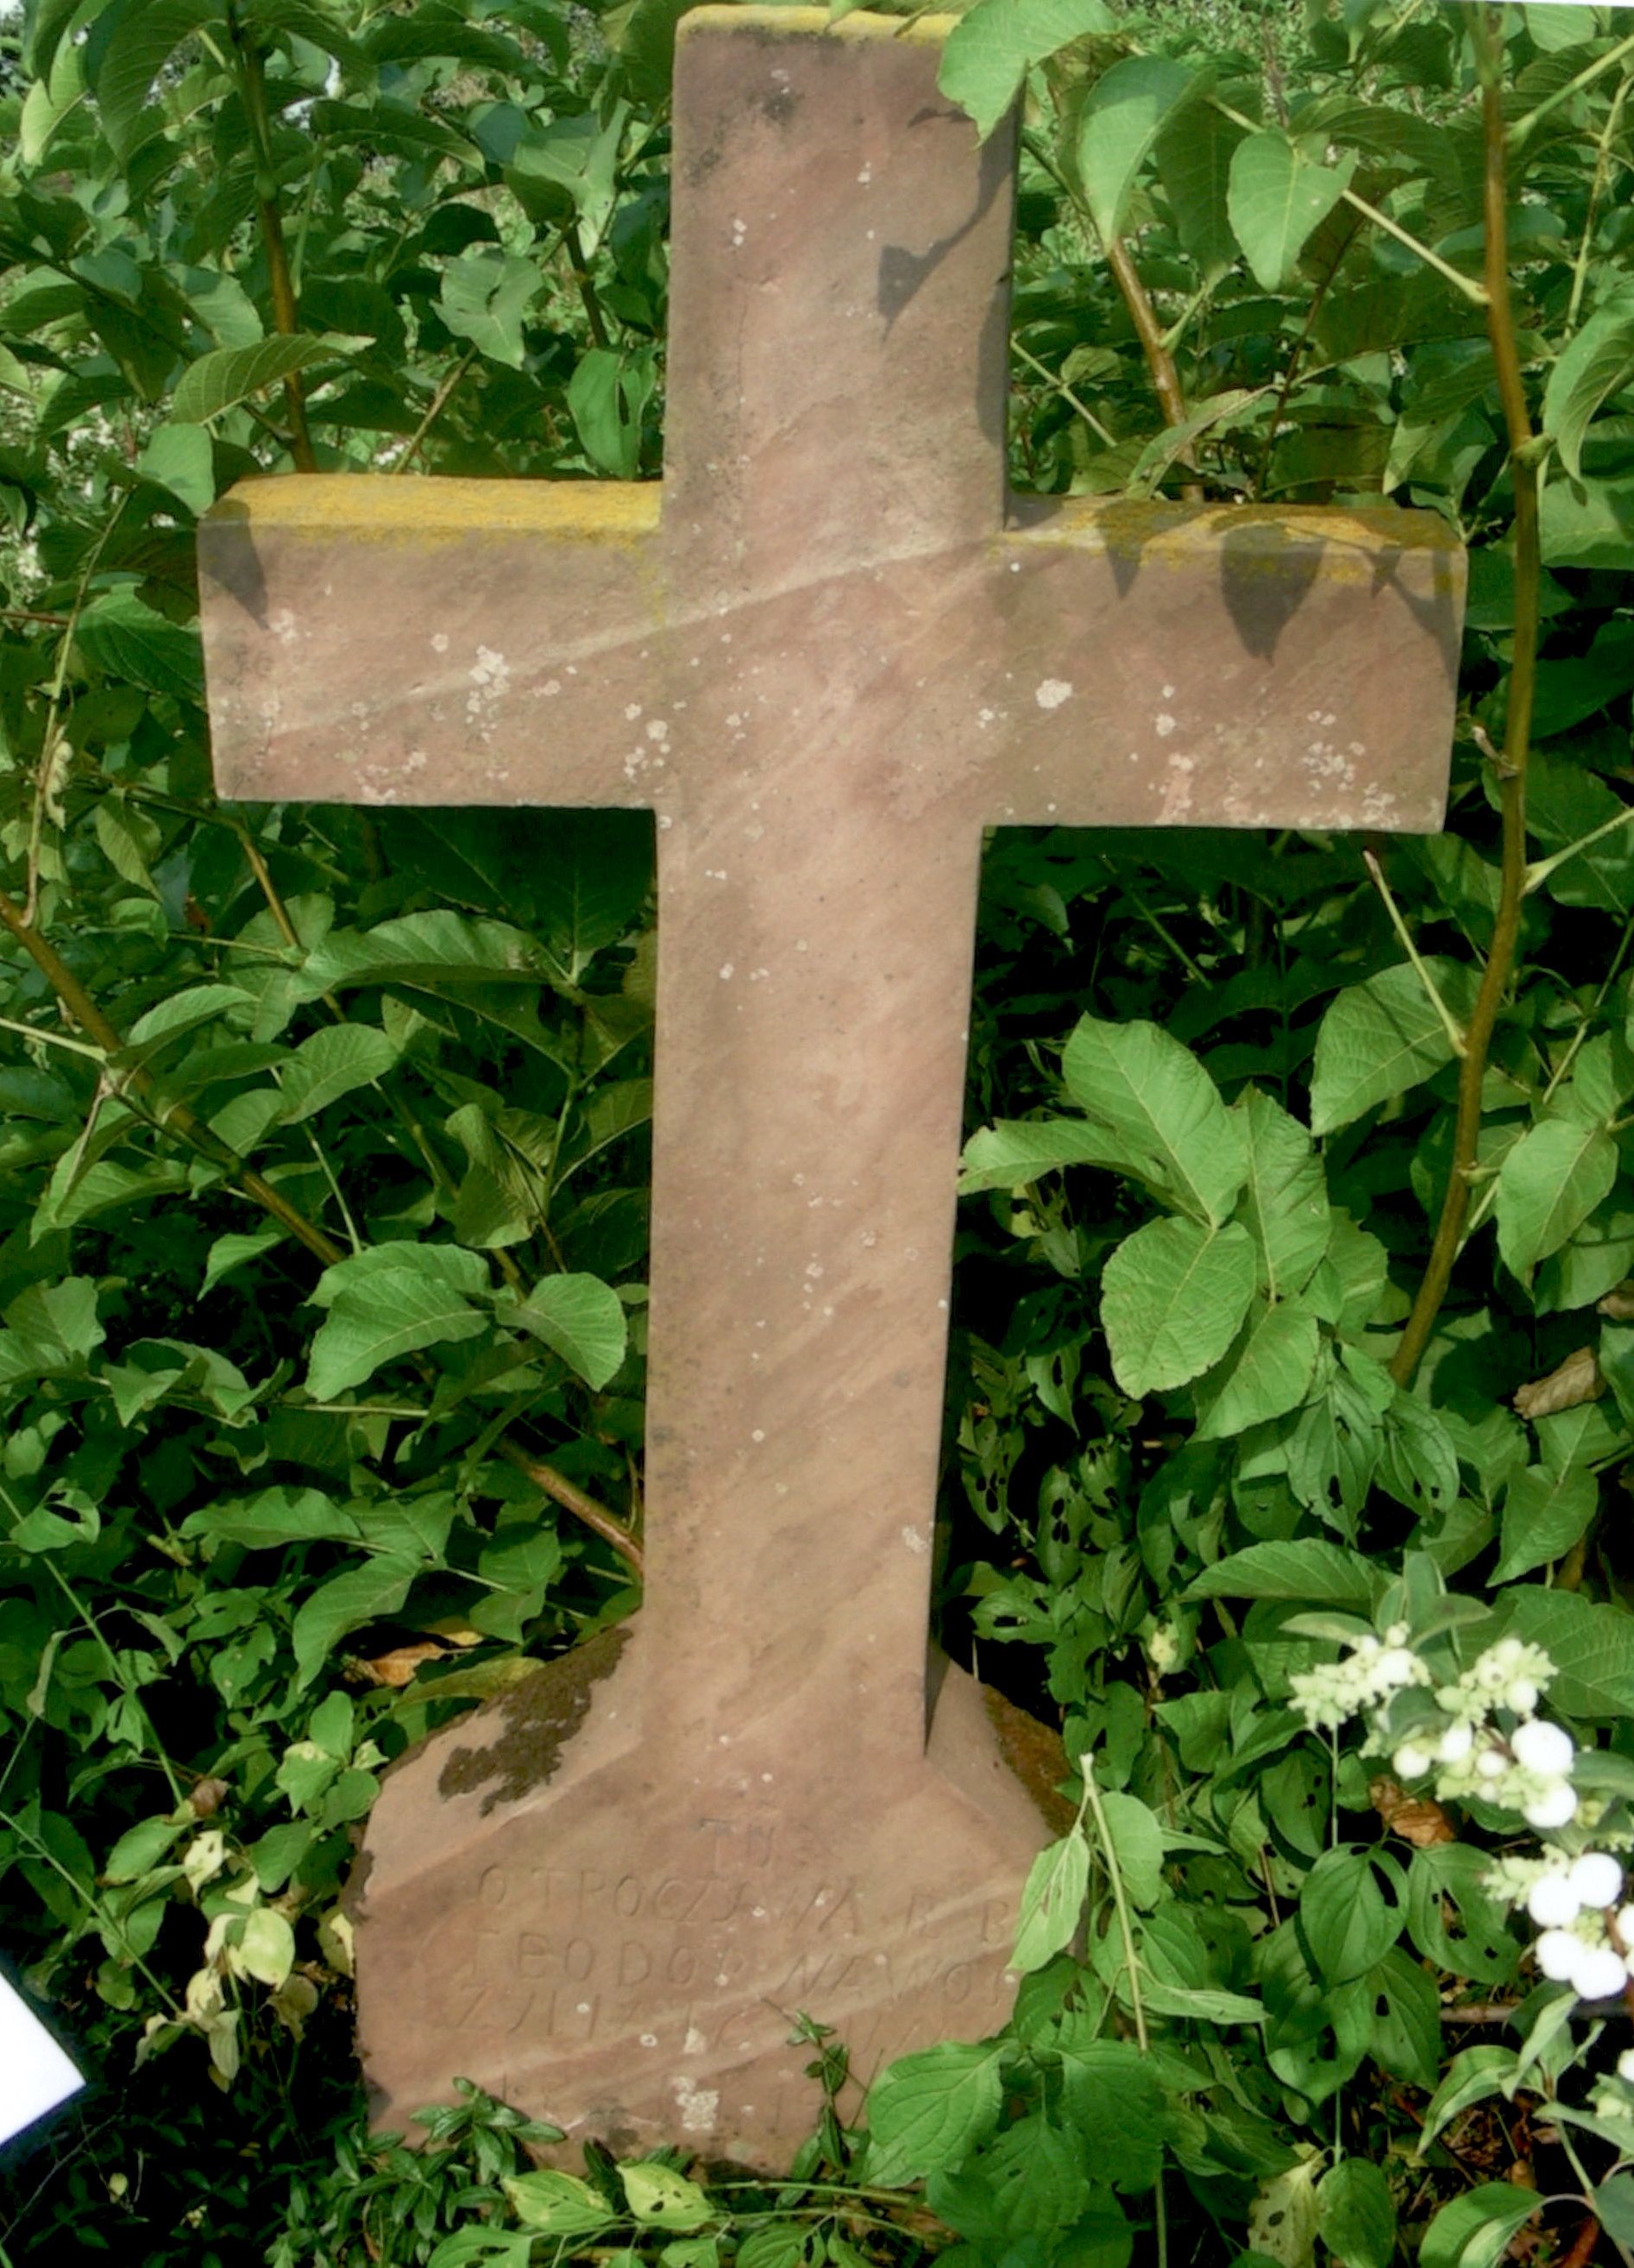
x=828, y=653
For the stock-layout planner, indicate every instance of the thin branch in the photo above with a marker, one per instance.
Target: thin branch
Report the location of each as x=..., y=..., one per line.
x=252, y=76
x=1500, y=958
x=1059, y=385
x=1449, y=1022
x=572, y=1498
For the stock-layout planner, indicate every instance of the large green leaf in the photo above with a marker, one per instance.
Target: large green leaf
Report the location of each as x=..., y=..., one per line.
x=1193, y=153
x=1356, y=2214
x=581, y=1319
x=1590, y=1643
x=128, y=640
x=145, y=34
x=1475, y=2229
x=1017, y=1151
x=1154, y=1096
x=1283, y=1204
x=1598, y=361
x=1380, y=1037
x=1173, y=1298
x=926, y=2111
x=219, y=380
x=428, y=949
x=1265, y=1377
x=332, y=1062
x=990, y=50
x=1545, y=1513
x=1548, y=1185
x=362, y=1594
x=391, y=1301
x=484, y=299
x=1277, y=200
x=1052, y=1901
x=559, y=2204
x=1128, y=108
x=1113, y=2097
x=1308, y=1569
x=1346, y=1922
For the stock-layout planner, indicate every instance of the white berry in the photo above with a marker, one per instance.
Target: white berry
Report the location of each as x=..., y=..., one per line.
x=1557, y=1952
x=1597, y=1879
x=1553, y=1903
x=1598, y=1972
x=1543, y=1747
x=1554, y=1806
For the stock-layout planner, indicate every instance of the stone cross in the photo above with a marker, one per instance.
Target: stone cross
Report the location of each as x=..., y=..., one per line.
x=828, y=652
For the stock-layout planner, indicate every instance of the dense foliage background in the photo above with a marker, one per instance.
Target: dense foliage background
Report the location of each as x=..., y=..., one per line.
x=322, y=1211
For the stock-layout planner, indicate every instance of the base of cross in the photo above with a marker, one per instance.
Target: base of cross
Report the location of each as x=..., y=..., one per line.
x=617, y=1936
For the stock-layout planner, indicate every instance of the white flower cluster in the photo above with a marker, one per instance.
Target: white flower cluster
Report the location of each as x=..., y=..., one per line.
x=1527, y=1771
x=1373, y=1673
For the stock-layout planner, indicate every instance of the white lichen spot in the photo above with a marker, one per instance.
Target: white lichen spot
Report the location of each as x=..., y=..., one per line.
x=281, y=622
x=657, y=730
x=984, y=716
x=440, y=642
x=726, y=968
x=632, y=710
x=552, y=685
x=1168, y=692
x=759, y=1434
x=1164, y=724
x=648, y=2039
x=740, y=230
x=914, y=1541
x=864, y=177
x=583, y=2009
x=695, y=2043
x=1053, y=692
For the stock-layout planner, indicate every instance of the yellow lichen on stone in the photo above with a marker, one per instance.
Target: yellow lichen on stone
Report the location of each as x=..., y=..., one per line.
x=373, y=507
x=808, y=23
x=1354, y=541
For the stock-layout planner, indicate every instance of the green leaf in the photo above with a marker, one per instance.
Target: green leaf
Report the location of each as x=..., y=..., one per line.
x=659, y=2197
x=1136, y=1844
x=1596, y=364
x=484, y=299
x=1152, y=1095
x=266, y=1947
x=1113, y=2095
x=1544, y=1514
x=1356, y=2214
x=130, y=642
x=1550, y=1183
x=1404, y=2033
x=1309, y=1570
x=1592, y=1645
x=387, y=1301
x=1346, y=1922
x=1173, y=1296
x=372, y=1592
x=1382, y=1036
x=590, y=888
x=428, y=949
x=1283, y=1204
x=1475, y=2229
x=332, y=1062
x=219, y=380
x=927, y=2111
x=1128, y=107
x=273, y=1518
x=991, y=49
x=145, y=35
x=606, y=396
x=1277, y=199
x=1474, y=2075
x=140, y=1849
x=1267, y=1375
x=581, y=1319
x=1052, y=1903
x=1194, y=155
x=559, y=2204
x=1017, y=1151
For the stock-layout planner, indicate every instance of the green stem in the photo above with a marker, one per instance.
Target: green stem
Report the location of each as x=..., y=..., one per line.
x=1517, y=133
x=252, y=77
x=1449, y=1022
x=1500, y=958
x=1131, y=1961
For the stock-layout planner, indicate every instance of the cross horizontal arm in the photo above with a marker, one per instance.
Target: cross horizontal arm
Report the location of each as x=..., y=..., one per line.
x=1146, y=665
x=379, y=641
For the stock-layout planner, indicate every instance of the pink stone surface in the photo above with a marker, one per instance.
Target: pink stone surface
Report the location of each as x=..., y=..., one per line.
x=827, y=653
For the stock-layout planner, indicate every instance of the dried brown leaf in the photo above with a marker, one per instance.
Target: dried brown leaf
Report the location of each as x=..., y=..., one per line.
x=1617, y=1307
x=1416, y=1819
x=1576, y=1380
x=402, y=1663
